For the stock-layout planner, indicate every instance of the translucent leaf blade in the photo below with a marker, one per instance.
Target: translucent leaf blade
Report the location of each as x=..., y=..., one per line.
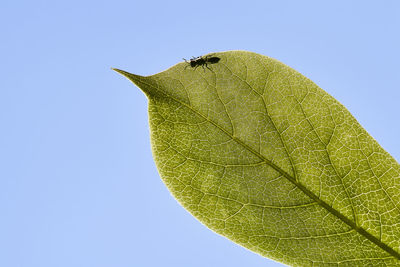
x=263, y=156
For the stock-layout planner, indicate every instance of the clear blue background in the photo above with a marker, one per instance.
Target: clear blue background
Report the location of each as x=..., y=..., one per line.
x=78, y=186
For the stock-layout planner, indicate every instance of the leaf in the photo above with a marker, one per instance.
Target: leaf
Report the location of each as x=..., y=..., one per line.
x=263, y=156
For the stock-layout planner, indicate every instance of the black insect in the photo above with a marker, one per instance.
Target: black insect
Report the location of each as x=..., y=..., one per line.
x=202, y=61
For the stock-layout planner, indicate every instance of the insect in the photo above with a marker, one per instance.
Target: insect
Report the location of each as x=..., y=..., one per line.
x=202, y=61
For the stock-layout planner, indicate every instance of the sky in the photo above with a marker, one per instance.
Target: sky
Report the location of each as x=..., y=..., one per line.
x=78, y=185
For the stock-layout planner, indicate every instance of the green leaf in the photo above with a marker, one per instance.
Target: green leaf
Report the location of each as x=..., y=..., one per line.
x=263, y=156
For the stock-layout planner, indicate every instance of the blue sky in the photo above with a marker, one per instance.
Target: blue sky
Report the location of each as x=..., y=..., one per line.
x=78, y=186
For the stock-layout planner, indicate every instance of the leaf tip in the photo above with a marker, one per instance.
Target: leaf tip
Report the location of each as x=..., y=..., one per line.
x=122, y=72
x=130, y=76
x=136, y=79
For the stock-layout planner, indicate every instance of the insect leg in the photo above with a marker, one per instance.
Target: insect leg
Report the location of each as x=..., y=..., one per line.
x=187, y=63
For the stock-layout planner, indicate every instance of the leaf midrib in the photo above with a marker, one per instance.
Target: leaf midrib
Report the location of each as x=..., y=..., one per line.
x=309, y=193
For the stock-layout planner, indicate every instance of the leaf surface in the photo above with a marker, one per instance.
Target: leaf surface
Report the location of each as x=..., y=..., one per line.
x=261, y=155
